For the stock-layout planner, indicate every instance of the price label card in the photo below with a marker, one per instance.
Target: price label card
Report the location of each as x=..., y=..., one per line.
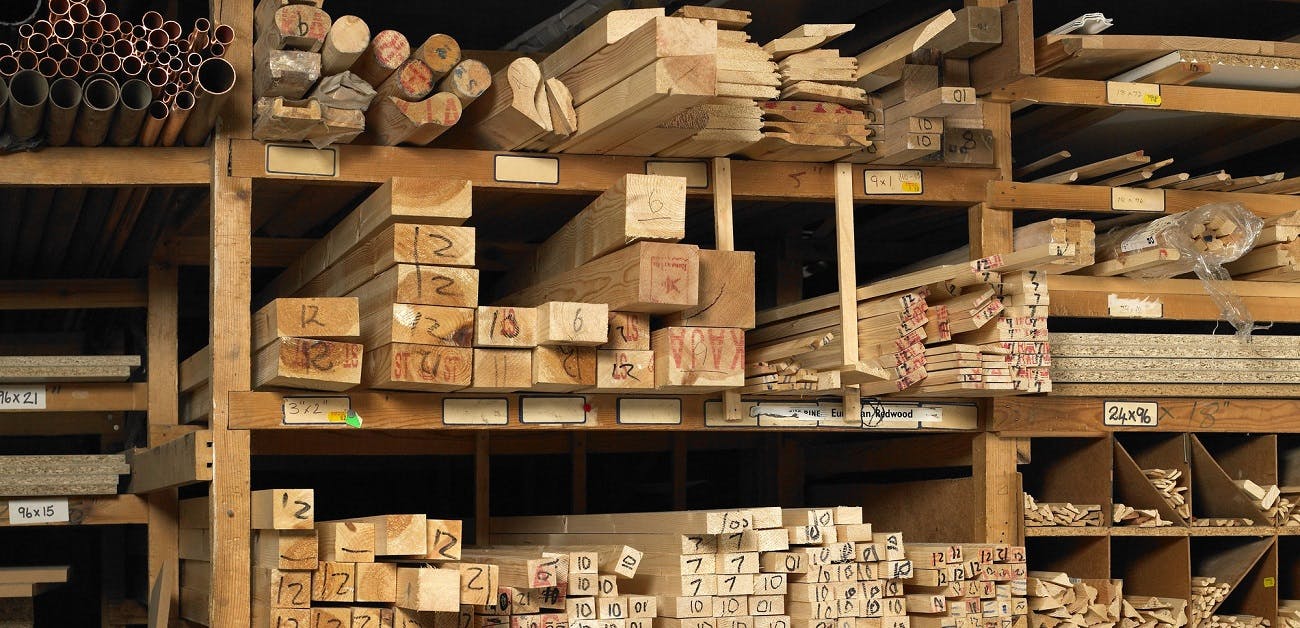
x=22, y=397
x=1137, y=199
x=302, y=160
x=1129, y=307
x=695, y=172
x=1131, y=413
x=571, y=410
x=518, y=169
x=1136, y=94
x=892, y=182
x=457, y=411
x=316, y=410
x=650, y=411
x=32, y=511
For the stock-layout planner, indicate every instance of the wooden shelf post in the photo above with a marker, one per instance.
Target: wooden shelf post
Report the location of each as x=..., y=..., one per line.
x=163, y=412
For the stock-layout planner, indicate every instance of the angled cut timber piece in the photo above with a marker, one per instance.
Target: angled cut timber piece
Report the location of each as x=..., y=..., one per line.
x=308, y=363
x=726, y=292
x=730, y=19
x=975, y=30
x=179, y=462
x=658, y=38
x=805, y=37
x=404, y=366
x=874, y=64
x=606, y=31
x=323, y=318
x=698, y=358
x=649, y=277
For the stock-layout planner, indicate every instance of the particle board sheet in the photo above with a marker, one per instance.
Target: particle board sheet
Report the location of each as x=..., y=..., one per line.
x=1174, y=359
x=66, y=368
x=1102, y=57
x=37, y=475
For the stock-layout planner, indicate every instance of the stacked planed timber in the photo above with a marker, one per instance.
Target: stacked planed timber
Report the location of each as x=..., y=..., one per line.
x=1040, y=514
x=542, y=587
x=1102, y=364
x=746, y=75
x=1060, y=232
x=300, y=343
x=1207, y=594
x=967, y=585
x=66, y=368
x=1136, y=169
x=1273, y=256
x=1123, y=515
x=1055, y=599
x=1167, y=483
x=406, y=261
x=1156, y=250
x=51, y=475
x=1140, y=611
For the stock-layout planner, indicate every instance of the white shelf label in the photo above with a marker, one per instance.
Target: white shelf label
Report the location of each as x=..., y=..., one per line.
x=1137, y=199
x=316, y=410
x=650, y=411
x=695, y=172
x=535, y=410
x=22, y=397
x=517, y=169
x=474, y=411
x=32, y=511
x=1129, y=307
x=1131, y=413
x=892, y=182
x=302, y=160
x=1136, y=94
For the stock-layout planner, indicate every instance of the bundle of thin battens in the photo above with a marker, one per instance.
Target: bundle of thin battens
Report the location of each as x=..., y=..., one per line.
x=85, y=76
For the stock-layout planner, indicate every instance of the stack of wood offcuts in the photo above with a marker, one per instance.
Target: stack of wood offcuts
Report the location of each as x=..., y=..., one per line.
x=54, y=475
x=1124, y=515
x=1277, y=510
x=1056, y=599
x=967, y=585
x=1207, y=594
x=1041, y=514
x=1173, y=488
x=1289, y=613
x=328, y=81
x=18, y=585
x=1273, y=257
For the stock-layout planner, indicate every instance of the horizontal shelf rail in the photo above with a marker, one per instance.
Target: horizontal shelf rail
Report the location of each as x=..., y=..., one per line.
x=108, y=166
x=1090, y=416
x=1097, y=198
x=1042, y=90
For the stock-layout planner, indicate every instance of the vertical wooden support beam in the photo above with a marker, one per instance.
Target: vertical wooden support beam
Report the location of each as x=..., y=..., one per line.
x=998, y=517
x=578, y=451
x=482, y=487
x=163, y=411
x=991, y=229
x=847, y=259
x=724, y=239
x=230, y=335
x=679, y=471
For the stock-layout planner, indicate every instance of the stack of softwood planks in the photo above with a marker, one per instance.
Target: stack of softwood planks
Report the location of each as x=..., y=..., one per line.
x=1056, y=599
x=50, y=475
x=328, y=81
x=1155, y=250
x=621, y=254
x=1136, y=169
x=301, y=343
x=1273, y=256
x=66, y=368
x=733, y=120
x=1105, y=364
x=1160, y=612
x=1040, y=514
x=1207, y=594
x=1124, y=515
x=1172, y=490
x=967, y=585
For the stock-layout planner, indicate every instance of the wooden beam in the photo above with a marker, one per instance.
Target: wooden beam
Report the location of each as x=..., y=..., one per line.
x=649, y=277
x=72, y=294
x=1012, y=60
x=1179, y=299
x=876, y=59
x=1188, y=98
x=998, y=517
x=94, y=398
x=328, y=318
x=1094, y=198
x=108, y=166
x=164, y=412
x=103, y=510
x=267, y=252
x=179, y=462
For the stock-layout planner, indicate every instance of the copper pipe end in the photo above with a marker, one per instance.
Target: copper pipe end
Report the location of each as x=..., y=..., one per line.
x=164, y=59
x=78, y=12
x=202, y=25
x=57, y=51
x=142, y=47
x=5, y=49
x=59, y=7
x=152, y=20
x=193, y=59
x=8, y=66
x=111, y=22
x=126, y=29
x=157, y=78
x=96, y=7
x=132, y=66
x=26, y=30
x=173, y=50
x=171, y=88
x=97, y=48
x=44, y=27
x=37, y=43
x=176, y=64
x=69, y=67
x=217, y=50
x=88, y=63
x=185, y=77
x=49, y=68
x=64, y=29
x=157, y=38
x=110, y=62
x=150, y=57
x=27, y=60
x=92, y=30
x=224, y=34
x=173, y=29
x=123, y=48
x=139, y=31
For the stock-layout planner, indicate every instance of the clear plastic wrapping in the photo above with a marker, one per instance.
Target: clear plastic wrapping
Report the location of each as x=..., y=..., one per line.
x=344, y=91
x=1205, y=238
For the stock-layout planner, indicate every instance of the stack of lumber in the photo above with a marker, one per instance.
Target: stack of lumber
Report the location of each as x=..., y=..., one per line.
x=1291, y=499
x=1160, y=612
x=1056, y=599
x=1236, y=63
x=328, y=81
x=967, y=585
x=1136, y=169
x=66, y=368
x=1237, y=621
x=300, y=343
x=1273, y=256
x=540, y=587
x=1289, y=613
x=48, y=475
x=1104, y=364
x=1040, y=514
x=1150, y=249
x=1174, y=492
x=1081, y=235
x=26, y=583
x=746, y=76
x=621, y=253
x=1123, y=515
x=1014, y=341
x=819, y=115
x=757, y=567
x=1207, y=594
x=406, y=262
x=615, y=88
x=1268, y=499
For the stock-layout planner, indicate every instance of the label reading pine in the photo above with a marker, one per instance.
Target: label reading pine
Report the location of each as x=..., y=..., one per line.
x=1137, y=199
x=1131, y=414
x=457, y=411
x=316, y=410
x=22, y=397
x=1131, y=307
x=553, y=409
x=33, y=511
x=892, y=182
x=1135, y=94
x=517, y=169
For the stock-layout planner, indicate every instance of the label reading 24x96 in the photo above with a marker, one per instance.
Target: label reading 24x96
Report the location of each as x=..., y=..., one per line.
x=1131, y=413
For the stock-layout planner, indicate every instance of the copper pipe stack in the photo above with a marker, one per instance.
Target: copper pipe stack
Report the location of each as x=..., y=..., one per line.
x=86, y=75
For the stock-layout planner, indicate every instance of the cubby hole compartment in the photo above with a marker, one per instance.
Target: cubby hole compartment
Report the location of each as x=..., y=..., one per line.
x=1152, y=566
x=1288, y=466
x=1214, y=495
x=1134, y=453
x=1080, y=557
x=1243, y=563
x=1074, y=470
x=1288, y=579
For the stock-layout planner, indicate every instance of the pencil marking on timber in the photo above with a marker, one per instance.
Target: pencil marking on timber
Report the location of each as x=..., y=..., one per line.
x=796, y=175
x=721, y=290
x=304, y=318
